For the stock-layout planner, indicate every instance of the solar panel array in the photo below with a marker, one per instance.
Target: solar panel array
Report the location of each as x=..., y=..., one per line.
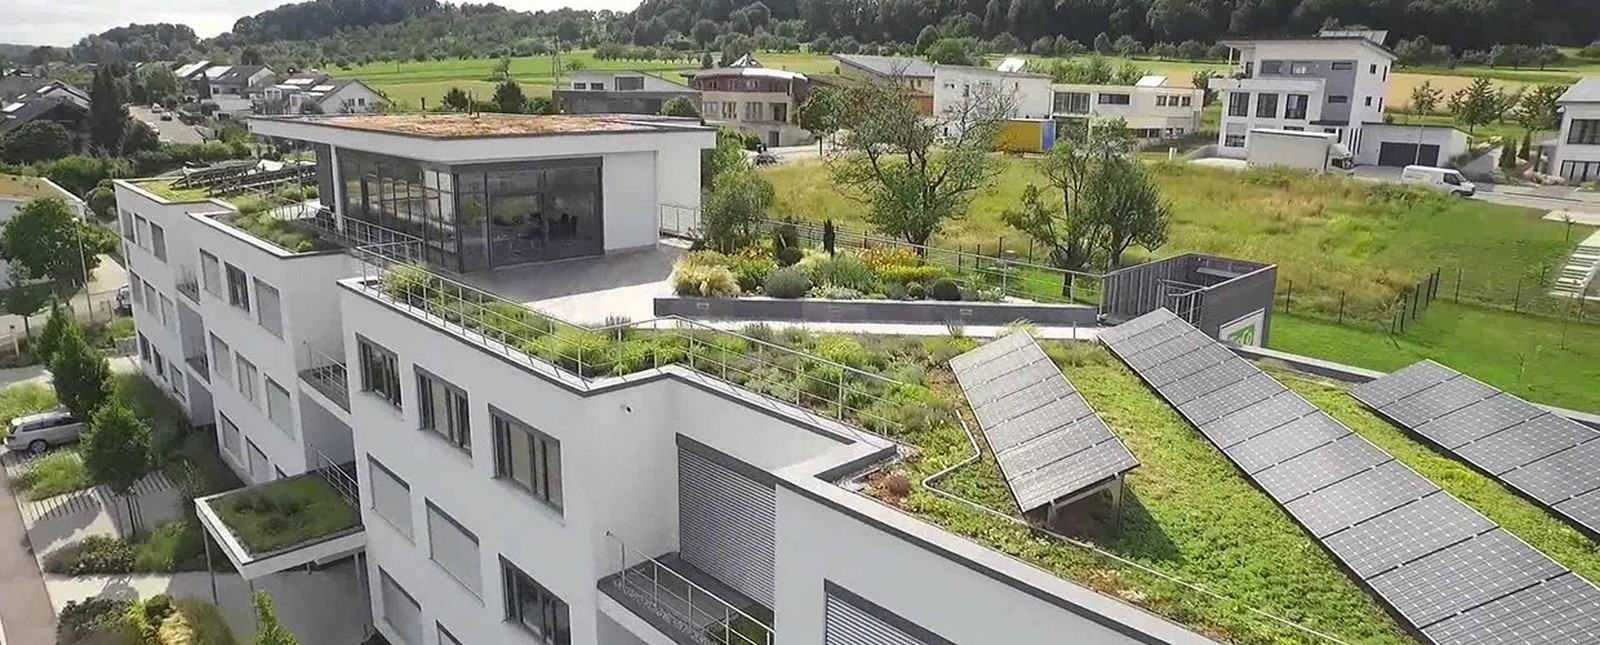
x=1550, y=458
x=1050, y=445
x=1446, y=569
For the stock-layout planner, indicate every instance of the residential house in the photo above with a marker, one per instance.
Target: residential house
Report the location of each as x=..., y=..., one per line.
x=317, y=93
x=1025, y=95
x=915, y=74
x=193, y=77
x=1577, y=145
x=25, y=98
x=619, y=92
x=242, y=81
x=754, y=99
x=1152, y=107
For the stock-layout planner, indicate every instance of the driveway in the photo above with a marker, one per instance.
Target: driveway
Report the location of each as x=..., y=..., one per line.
x=173, y=131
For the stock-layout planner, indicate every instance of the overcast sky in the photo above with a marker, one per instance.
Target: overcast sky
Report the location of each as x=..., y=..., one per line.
x=63, y=22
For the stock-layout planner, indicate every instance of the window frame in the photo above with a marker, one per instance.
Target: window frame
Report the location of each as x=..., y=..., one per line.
x=217, y=370
x=554, y=614
x=457, y=415
x=158, y=241
x=409, y=528
x=431, y=510
x=248, y=375
x=544, y=472
x=1289, y=111
x=389, y=388
x=1262, y=102
x=1342, y=65
x=238, y=294
x=286, y=423
x=1583, y=132
x=276, y=327
x=211, y=280
x=1119, y=98
x=1239, y=104
x=1338, y=99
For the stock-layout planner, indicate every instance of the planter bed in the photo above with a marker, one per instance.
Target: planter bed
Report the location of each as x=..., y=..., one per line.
x=876, y=311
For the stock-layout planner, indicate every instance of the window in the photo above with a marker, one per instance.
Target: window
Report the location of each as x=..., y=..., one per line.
x=144, y=348
x=158, y=241
x=1294, y=128
x=1374, y=68
x=1272, y=67
x=278, y=407
x=267, y=308
x=709, y=107
x=629, y=83
x=152, y=299
x=534, y=607
x=127, y=225
x=260, y=467
x=210, y=273
x=1238, y=104
x=137, y=289
x=1267, y=106
x=400, y=610
x=238, y=288
x=1338, y=99
x=166, y=311
x=1186, y=100
x=1300, y=69
x=445, y=637
x=455, y=549
x=247, y=378
x=730, y=110
x=443, y=409
x=221, y=360
x=1294, y=106
x=1072, y=102
x=1343, y=65
x=1380, y=104
x=228, y=434
x=1584, y=132
x=780, y=112
x=391, y=497
x=380, y=371
x=1115, y=99
x=1161, y=100
x=753, y=111
x=1369, y=101
x=160, y=362
x=527, y=457
x=1385, y=72
x=141, y=230
x=1233, y=141
x=1452, y=178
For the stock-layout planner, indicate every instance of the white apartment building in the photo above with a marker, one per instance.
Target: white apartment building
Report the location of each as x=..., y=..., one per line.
x=1332, y=83
x=1577, y=152
x=511, y=498
x=1027, y=94
x=1152, y=108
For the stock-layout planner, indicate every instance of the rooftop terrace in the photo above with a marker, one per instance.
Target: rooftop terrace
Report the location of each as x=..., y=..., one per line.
x=463, y=126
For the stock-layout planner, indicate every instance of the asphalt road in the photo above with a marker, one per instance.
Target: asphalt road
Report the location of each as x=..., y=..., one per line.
x=173, y=131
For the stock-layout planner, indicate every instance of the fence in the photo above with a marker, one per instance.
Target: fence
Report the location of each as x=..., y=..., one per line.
x=1526, y=293
x=693, y=611
x=98, y=308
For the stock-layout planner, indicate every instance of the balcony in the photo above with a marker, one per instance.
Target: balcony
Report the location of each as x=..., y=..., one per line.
x=328, y=376
x=198, y=363
x=686, y=604
x=287, y=523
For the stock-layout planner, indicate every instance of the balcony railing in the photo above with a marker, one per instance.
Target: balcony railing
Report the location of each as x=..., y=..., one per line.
x=340, y=475
x=687, y=612
x=201, y=367
x=328, y=376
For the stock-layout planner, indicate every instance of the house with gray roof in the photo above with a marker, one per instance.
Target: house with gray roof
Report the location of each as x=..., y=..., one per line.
x=913, y=73
x=1577, y=153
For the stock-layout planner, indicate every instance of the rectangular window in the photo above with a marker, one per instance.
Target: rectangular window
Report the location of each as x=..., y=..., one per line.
x=1267, y=106
x=268, y=308
x=127, y=224
x=211, y=273
x=1272, y=67
x=1343, y=65
x=527, y=457
x=455, y=549
x=238, y=288
x=1238, y=104
x=1299, y=69
x=1072, y=102
x=400, y=610
x=1338, y=99
x=1115, y=99
x=1186, y=101
x=1294, y=106
x=221, y=360
x=144, y=348
x=152, y=299
x=137, y=289
x=260, y=467
x=1161, y=100
x=628, y=83
x=531, y=605
x=1374, y=69
x=160, y=362
x=391, y=496
x=247, y=379
x=753, y=111
x=141, y=230
x=445, y=637
x=443, y=409
x=380, y=372
x=158, y=241
x=166, y=312
x=1294, y=128
x=278, y=406
x=1369, y=101
x=1584, y=132
x=1233, y=141
x=228, y=434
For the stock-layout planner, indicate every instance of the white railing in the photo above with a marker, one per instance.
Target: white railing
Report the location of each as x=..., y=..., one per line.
x=328, y=375
x=700, y=615
x=340, y=479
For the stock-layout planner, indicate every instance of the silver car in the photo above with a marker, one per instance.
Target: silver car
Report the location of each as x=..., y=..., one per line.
x=38, y=432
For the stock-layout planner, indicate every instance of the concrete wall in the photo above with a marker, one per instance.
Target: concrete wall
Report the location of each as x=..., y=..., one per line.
x=1030, y=93
x=1142, y=111
x=875, y=311
x=1576, y=153
x=1244, y=296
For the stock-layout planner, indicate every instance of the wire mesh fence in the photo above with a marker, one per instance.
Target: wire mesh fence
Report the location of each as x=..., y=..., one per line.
x=1529, y=293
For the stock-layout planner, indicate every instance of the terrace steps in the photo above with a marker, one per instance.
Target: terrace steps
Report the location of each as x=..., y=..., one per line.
x=1582, y=266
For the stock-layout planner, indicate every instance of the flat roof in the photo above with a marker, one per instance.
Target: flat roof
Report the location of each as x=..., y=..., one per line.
x=466, y=126
x=1586, y=90
x=1239, y=43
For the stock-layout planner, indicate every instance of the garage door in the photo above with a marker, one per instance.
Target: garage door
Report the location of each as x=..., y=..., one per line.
x=726, y=524
x=1405, y=154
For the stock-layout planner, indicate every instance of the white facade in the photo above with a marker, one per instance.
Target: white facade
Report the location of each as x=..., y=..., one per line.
x=1029, y=95
x=1376, y=137
x=622, y=81
x=1325, y=84
x=1151, y=111
x=1577, y=151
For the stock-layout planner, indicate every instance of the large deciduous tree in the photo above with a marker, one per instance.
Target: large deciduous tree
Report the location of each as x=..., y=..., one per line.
x=735, y=210
x=46, y=241
x=1537, y=109
x=34, y=142
x=819, y=114
x=81, y=375
x=1475, y=104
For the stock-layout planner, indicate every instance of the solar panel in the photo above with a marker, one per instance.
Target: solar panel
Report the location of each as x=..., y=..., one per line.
x=1562, y=610
x=1439, y=563
x=1544, y=456
x=1136, y=325
x=1463, y=576
x=1167, y=351
x=1048, y=442
x=1584, y=508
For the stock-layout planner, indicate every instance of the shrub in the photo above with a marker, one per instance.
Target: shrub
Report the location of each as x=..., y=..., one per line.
x=901, y=274
x=202, y=624
x=92, y=555
x=789, y=255
x=897, y=485
x=409, y=284
x=705, y=258
x=915, y=291
x=703, y=281
x=508, y=322
x=835, y=293
x=577, y=350
x=788, y=282
x=80, y=620
x=752, y=272
x=890, y=256
x=842, y=349
x=157, y=607
x=894, y=291
x=787, y=235
x=944, y=289
x=846, y=270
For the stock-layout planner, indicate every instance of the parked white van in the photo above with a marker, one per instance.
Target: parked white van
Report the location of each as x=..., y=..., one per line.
x=1443, y=179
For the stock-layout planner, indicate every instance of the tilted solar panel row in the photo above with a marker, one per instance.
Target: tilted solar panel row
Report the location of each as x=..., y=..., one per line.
x=1050, y=445
x=1545, y=456
x=1448, y=571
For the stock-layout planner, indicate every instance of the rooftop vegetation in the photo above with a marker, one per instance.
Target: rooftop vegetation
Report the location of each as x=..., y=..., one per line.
x=22, y=186
x=284, y=513
x=163, y=188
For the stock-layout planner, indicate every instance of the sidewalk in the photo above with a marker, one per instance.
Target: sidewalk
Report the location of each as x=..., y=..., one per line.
x=26, y=615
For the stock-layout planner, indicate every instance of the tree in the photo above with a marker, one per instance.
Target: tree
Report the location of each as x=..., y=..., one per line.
x=81, y=375
x=1201, y=80
x=502, y=70
x=1191, y=50
x=102, y=201
x=1527, y=146
x=46, y=241
x=139, y=138
x=1128, y=205
x=55, y=332
x=1505, y=102
x=538, y=105
x=1005, y=43
x=456, y=99
x=829, y=236
x=819, y=114
x=1537, y=109
x=915, y=172
x=568, y=32
x=116, y=448
x=34, y=142
x=726, y=156
x=1128, y=46
x=107, y=117
x=735, y=210
x=705, y=61
x=953, y=51
x=159, y=83
x=1102, y=44
x=926, y=38
x=1425, y=98
x=1475, y=104
x=1508, y=155
x=508, y=97
x=704, y=32
x=25, y=299
x=680, y=106
x=1059, y=220
x=268, y=630
x=251, y=56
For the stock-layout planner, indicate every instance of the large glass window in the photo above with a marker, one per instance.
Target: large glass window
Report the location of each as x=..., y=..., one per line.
x=531, y=605
x=1295, y=106
x=406, y=196
x=391, y=497
x=1267, y=105
x=1584, y=132
x=1238, y=104
x=238, y=288
x=278, y=406
x=1072, y=103
x=267, y=308
x=380, y=371
x=527, y=457
x=400, y=610
x=455, y=549
x=443, y=409
x=211, y=273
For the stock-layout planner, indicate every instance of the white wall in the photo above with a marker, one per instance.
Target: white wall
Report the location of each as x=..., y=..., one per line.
x=353, y=98
x=1451, y=141
x=1573, y=152
x=1142, y=112
x=1030, y=93
x=628, y=192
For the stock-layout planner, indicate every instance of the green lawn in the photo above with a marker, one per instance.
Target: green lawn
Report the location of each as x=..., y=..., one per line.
x=285, y=513
x=23, y=399
x=1543, y=360
x=54, y=474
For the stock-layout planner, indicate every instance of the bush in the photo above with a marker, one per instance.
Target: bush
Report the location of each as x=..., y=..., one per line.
x=752, y=272
x=848, y=271
x=409, y=284
x=157, y=607
x=788, y=283
x=915, y=291
x=944, y=289
x=789, y=255
x=24, y=399
x=894, y=291
x=901, y=274
x=831, y=292
x=703, y=281
x=705, y=258
x=897, y=485
x=95, y=554
x=80, y=620
x=890, y=256
x=201, y=624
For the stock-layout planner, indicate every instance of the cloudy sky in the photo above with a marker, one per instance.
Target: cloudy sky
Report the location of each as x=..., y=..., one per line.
x=63, y=22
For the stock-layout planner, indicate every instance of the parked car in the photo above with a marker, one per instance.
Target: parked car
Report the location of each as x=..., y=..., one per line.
x=156, y=108
x=1441, y=179
x=166, y=116
x=39, y=432
x=125, y=301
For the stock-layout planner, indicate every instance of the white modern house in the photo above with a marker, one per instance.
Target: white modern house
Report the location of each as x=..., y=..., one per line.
x=1577, y=151
x=1153, y=108
x=1027, y=95
x=508, y=491
x=619, y=91
x=319, y=93
x=1333, y=83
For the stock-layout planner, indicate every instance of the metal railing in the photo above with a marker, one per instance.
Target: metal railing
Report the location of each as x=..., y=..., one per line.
x=703, y=616
x=200, y=365
x=327, y=375
x=188, y=284
x=342, y=477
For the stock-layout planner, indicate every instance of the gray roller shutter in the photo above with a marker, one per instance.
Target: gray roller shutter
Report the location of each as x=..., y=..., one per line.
x=848, y=624
x=726, y=525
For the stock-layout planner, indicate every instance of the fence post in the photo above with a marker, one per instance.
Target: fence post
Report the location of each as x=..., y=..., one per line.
x=1458, y=285
x=1516, y=304
x=1288, y=297
x=1341, y=308
x=1416, y=301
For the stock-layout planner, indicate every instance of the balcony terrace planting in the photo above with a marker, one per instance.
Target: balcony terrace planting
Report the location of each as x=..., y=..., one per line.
x=284, y=513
